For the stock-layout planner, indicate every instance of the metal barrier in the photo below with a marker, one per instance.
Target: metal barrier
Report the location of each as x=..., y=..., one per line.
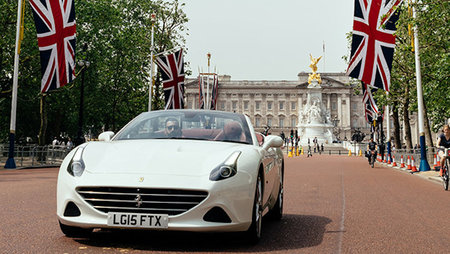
x=34, y=156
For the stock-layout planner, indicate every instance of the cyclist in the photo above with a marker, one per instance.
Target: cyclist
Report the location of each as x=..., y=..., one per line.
x=443, y=142
x=371, y=149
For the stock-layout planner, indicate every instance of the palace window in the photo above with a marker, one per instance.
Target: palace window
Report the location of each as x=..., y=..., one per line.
x=269, y=105
x=245, y=105
x=281, y=105
x=281, y=123
x=292, y=105
x=257, y=122
x=269, y=121
x=234, y=105
x=293, y=122
x=257, y=105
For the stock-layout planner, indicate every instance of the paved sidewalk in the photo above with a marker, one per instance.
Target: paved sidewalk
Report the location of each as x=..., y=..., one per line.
x=430, y=175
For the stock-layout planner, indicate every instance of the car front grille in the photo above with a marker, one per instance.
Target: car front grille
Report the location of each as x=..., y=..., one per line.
x=141, y=200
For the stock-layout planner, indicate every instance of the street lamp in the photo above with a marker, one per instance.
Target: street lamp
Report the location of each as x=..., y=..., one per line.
x=84, y=65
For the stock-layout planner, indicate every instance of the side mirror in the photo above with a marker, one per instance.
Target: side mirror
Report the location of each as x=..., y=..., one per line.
x=106, y=136
x=272, y=141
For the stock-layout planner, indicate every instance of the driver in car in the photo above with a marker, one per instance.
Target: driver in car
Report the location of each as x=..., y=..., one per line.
x=233, y=131
x=172, y=129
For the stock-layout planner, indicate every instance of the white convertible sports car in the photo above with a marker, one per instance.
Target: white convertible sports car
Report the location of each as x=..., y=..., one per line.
x=185, y=170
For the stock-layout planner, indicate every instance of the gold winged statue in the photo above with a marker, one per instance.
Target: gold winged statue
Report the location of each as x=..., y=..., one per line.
x=313, y=66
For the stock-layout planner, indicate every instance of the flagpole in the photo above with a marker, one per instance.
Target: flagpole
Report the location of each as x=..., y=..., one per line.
x=10, y=162
x=388, y=131
x=207, y=106
x=424, y=166
x=150, y=89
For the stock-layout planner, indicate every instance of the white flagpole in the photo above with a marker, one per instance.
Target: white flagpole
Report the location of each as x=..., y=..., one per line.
x=10, y=163
x=424, y=166
x=150, y=89
x=207, y=106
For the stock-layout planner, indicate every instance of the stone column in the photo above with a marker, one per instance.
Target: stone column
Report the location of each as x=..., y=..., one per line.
x=329, y=102
x=339, y=110
x=349, y=115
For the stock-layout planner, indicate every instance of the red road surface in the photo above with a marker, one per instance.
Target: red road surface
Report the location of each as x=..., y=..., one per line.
x=333, y=204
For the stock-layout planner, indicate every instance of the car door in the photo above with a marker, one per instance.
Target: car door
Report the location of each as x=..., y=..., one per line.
x=270, y=174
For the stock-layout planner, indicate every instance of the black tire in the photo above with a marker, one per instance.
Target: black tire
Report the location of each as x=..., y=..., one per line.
x=277, y=211
x=445, y=177
x=253, y=234
x=75, y=232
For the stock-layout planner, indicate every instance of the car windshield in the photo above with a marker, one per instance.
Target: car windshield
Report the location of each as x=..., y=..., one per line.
x=188, y=124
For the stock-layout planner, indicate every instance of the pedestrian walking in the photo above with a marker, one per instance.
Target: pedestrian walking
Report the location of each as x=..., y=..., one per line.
x=309, y=151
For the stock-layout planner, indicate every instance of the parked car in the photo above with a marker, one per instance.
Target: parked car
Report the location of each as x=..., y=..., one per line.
x=184, y=170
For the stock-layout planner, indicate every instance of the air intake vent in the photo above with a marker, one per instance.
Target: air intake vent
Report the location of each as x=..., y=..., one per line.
x=141, y=200
x=217, y=214
x=72, y=210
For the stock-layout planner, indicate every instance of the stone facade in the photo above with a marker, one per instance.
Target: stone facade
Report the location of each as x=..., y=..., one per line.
x=278, y=103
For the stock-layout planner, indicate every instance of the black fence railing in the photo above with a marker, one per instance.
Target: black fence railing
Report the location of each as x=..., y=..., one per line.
x=34, y=156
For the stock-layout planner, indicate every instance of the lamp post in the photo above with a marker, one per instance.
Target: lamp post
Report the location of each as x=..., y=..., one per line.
x=80, y=139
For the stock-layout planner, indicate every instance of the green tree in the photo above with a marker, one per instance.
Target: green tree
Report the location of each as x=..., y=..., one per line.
x=117, y=36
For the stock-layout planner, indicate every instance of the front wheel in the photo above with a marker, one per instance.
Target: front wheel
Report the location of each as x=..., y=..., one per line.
x=254, y=232
x=445, y=177
x=277, y=210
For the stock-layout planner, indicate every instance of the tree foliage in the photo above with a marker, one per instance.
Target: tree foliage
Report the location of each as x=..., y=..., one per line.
x=116, y=36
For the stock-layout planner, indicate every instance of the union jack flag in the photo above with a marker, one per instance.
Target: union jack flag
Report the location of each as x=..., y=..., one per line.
x=373, y=41
x=370, y=105
x=201, y=96
x=56, y=34
x=172, y=73
x=214, y=93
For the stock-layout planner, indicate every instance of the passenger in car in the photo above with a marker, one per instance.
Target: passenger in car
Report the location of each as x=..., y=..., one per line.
x=172, y=129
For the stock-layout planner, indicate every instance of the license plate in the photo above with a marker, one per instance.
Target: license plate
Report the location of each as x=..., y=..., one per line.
x=138, y=220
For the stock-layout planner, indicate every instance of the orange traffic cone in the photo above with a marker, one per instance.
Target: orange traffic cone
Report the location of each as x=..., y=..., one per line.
x=389, y=159
x=434, y=162
x=413, y=166
x=394, y=164
x=402, y=163
x=384, y=158
x=408, y=163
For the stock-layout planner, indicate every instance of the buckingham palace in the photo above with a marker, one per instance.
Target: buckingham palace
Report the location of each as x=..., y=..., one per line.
x=278, y=103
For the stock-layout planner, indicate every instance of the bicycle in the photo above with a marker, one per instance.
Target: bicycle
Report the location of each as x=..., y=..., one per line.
x=445, y=168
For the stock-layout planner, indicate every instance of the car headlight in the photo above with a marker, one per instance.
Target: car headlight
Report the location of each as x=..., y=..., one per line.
x=226, y=169
x=76, y=165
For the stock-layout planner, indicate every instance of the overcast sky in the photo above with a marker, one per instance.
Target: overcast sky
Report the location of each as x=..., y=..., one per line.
x=267, y=40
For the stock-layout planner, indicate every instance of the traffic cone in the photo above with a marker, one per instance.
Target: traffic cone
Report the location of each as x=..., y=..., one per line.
x=402, y=163
x=302, y=151
x=349, y=152
x=389, y=159
x=394, y=164
x=413, y=166
x=408, y=163
x=360, y=153
x=438, y=167
x=384, y=158
x=434, y=163
x=298, y=152
x=290, y=153
x=379, y=158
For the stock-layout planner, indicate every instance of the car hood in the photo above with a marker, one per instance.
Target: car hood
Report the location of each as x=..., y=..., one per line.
x=157, y=157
